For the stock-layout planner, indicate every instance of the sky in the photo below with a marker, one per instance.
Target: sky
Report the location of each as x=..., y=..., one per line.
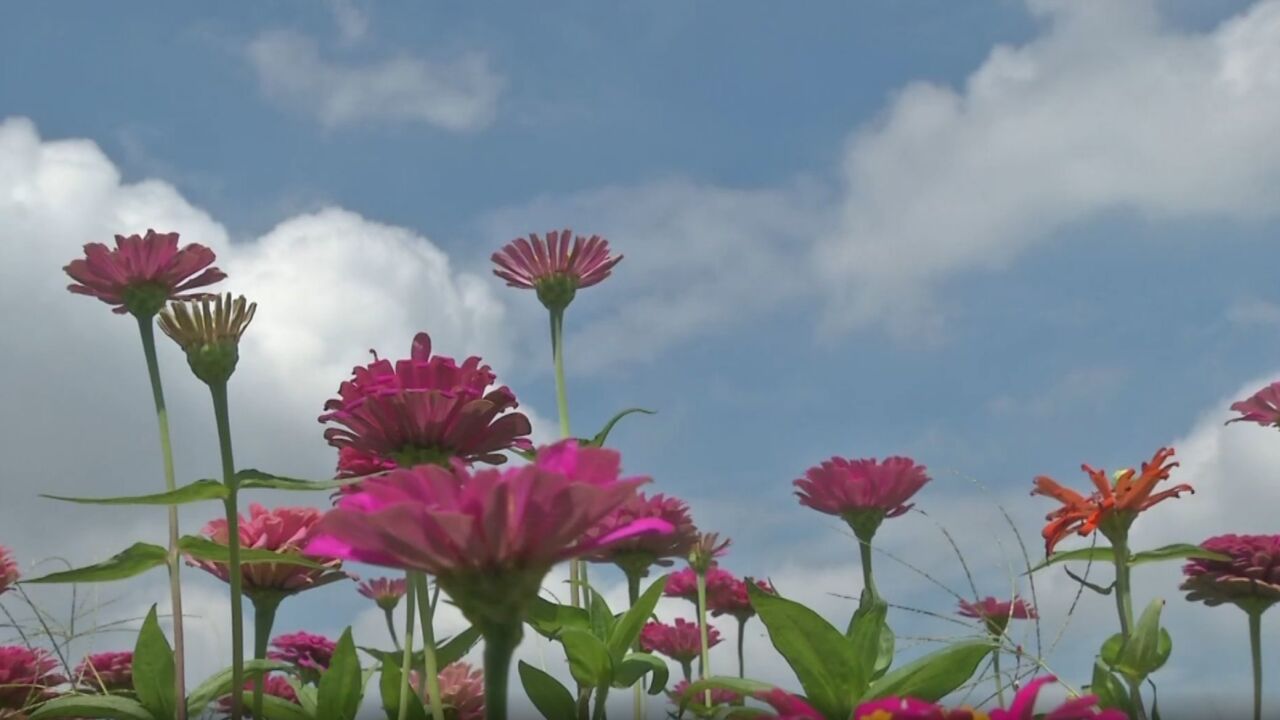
x=1003, y=238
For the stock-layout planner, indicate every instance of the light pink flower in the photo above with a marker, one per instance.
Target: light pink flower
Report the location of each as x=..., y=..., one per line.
x=282, y=530
x=640, y=552
x=275, y=685
x=842, y=486
x=8, y=569
x=386, y=592
x=1263, y=407
x=26, y=675
x=461, y=688
x=528, y=263
x=787, y=706
x=424, y=410
x=719, y=696
x=107, y=672
x=1250, y=577
x=681, y=642
x=303, y=649
x=141, y=273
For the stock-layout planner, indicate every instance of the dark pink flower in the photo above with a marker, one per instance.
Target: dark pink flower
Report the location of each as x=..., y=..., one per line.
x=142, y=273
x=352, y=463
x=639, y=553
x=275, y=685
x=863, y=492
x=386, y=592
x=282, y=530
x=1250, y=577
x=423, y=410
x=554, y=268
x=303, y=649
x=107, y=672
x=681, y=642
x=726, y=594
x=898, y=708
x=486, y=534
x=8, y=569
x=461, y=688
x=26, y=675
x=1081, y=708
x=787, y=706
x=1263, y=407
x=719, y=696
x=996, y=614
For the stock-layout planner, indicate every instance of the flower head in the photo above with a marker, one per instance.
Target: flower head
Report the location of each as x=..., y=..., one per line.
x=488, y=536
x=275, y=685
x=209, y=330
x=106, y=672
x=787, y=706
x=552, y=267
x=304, y=650
x=996, y=614
x=706, y=548
x=1081, y=708
x=461, y=690
x=386, y=592
x=639, y=553
x=26, y=674
x=1111, y=508
x=681, y=642
x=142, y=273
x=862, y=492
x=8, y=569
x=423, y=410
x=726, y=593
x=280, y=530
x=1249, y=577
x=1263, y=407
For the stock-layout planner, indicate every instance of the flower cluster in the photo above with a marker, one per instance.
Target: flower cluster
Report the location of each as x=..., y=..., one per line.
x=106, y=672
x=26, y=675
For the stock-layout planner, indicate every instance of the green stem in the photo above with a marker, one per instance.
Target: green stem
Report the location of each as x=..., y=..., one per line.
x=388, y=613
x=1124, y=608
x=742, y=627
x=406, y=663
x=704, y=668
x=1255, y=649
x=584, y=703
x=576, y=567
x=995, y=667
x=222, y=416
x=264, y=617
x=146, y=329
x=633, y=596
x=431, y=683
x=500, y=643
x=869, y=593
x=687, y=667
x=598, y=712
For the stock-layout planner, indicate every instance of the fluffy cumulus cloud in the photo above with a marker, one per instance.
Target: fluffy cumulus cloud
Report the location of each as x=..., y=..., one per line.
x=457, y=94
x=1108, y=109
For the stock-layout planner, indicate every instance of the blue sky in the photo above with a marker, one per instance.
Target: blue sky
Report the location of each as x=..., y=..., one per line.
x=1004, y=238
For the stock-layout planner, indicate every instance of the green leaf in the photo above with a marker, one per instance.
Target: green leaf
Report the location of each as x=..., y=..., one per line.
x=390, y=687
x=306, y=694
x=153, y=675
x=589, y=660
x=195, y=492
x=275, y=708
x=457, y=646
x=92, y=706
x=628, y=627
x=1109, y=689
x=866, y=638
x=601, y=616
x=219, y=684
x=1176, y=551
x=603, y=435
x=550, y=619
x=1092, y=586
x=552, y=699
x=134, y=560
x=341, y=684
x=251, y=479
x=819, y=654
x=635, y=666
x=1110, y=650
x=1089, y=554
x=1149, y=645
x=202, y=548
x=935, y=675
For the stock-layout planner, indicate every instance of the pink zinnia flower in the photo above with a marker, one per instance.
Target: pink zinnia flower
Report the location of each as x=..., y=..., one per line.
x=386, y=592
x=787, y=706
x=554, y=268
x=8, y=570
x=995, y=614
x=862, y=492
x=461, y=688
x=1081, y=708
x=639, y=553
x=26, y=675
x=899, y=708
x=1263, y=407
x=142, y=273
x=107, y=672
x=282, y=530
x=1249, y=578
x=275, y=685
x=303, y=649
x=489, y=536
x=423, y=410
x=726, y=594
x=681, y=642
x=719, y=696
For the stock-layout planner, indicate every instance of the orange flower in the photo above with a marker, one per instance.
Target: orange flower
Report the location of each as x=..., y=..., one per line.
x=1113, y=506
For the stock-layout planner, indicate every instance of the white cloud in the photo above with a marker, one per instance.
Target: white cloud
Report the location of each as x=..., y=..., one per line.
x=1088, y=387
x=459, y=94
x=1107, y=110
x=352, y=22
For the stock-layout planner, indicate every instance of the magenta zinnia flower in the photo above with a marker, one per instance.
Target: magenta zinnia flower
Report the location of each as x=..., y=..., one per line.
x=719, y=696
x=423, y=410
x=995, y=614
x=1263, y=407
x=107, y=672
x=386, y=592
x=142, y=273
x=554, y=268
x=1249, y=578
x=282, y=530
x=461, y=688
x=8, y=570
x=26, y=674
x=862, y=492
x=639, y=553
x=726, y=593
x=1022, y=708
x=787, y=706
x=275, y=685
x=303, y=649
x=680, y=642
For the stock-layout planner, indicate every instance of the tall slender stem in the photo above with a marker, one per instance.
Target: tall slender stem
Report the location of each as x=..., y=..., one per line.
x=601, y=697
x=431, y=683
x=995, y=668
x=406, y=663
x=146, y=329
x=388, y=613
x=742, y=665
x=1255, y=650
x=704, y=667
x=500, y=643
x=264, y=617
x=576, y=567
x=1124, y=608
x=869, y=593
x=633, y=596
x=222, y=416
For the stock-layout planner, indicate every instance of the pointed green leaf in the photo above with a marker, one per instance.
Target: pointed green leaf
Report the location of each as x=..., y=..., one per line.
x=603, y=435
x=628, y=627
x=552, y=699
x=457, y=646
x=1176, y=551
x=935, y=675
x=1109, y=689
x=1089, y=554
x=134, y=560
x=1149, y=645
x=866, y=639
x=633, y=667
x=389, y=684
x=92, y=706
x=153, y=675
x=550, y=619
x=195, y=492
x=202, y=548
x=250, y=479
x=601, y=616
x=276, y=708
x=589, y=660
x=219, y=684
x=341, y=684
x=819, y=654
